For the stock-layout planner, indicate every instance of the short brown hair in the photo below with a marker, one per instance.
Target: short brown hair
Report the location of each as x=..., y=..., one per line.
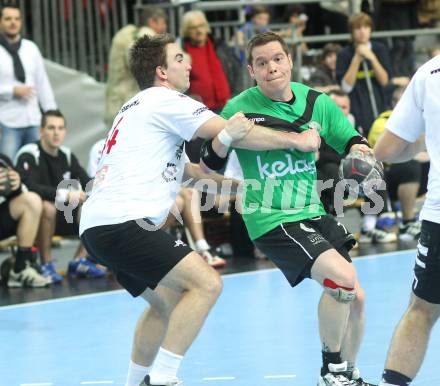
x=147, y=53
x=262, y=39
x=359, y=20
x=257, y=10
x=151, y=12
x=51, y=113
x=330, y=48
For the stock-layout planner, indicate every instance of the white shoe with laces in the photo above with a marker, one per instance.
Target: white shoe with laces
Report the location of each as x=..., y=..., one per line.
x=410, y=231
x=28, y=277
x=378, y=236
x=337, y=376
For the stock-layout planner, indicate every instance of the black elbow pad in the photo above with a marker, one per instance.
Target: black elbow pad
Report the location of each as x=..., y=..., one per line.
x=210, y=157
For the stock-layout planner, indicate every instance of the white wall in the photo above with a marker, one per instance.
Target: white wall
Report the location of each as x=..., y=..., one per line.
x=81, y=99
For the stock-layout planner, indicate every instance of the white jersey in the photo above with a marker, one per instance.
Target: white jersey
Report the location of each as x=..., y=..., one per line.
x=418, y=112
x=94, y=158
x=143, y=159
x=233, y=168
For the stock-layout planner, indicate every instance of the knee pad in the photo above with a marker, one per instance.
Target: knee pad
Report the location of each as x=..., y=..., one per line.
x=339, y=293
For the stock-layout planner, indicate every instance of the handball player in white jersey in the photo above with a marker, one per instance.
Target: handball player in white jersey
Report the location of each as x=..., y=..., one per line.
x=138, y=177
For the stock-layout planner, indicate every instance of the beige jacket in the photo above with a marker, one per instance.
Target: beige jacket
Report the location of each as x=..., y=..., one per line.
x=121, y=85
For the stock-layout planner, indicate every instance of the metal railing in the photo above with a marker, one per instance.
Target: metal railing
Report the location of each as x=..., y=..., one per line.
x=74, y=33
x=78, y=33
x=295, y=42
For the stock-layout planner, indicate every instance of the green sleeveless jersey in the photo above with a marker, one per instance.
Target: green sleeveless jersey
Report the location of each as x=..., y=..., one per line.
x=280, y=185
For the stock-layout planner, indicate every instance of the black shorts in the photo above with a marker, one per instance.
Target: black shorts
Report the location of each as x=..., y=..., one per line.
x=138, y=257
x=295, y=246
x=426, y=283
x=8, y=226
x=64, y=228
x=403, y=173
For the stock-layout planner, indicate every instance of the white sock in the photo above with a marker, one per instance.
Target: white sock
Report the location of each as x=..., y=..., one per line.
x=165, y=367
x=369, y=222
x=136, y=374
x=202, y=245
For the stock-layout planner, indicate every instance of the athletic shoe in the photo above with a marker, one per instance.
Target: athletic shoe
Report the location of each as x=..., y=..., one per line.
x=28, y=277
x=357, y=380
x=378, y=236
x=48, y=270
x=173, y=382
x=337, y=376
x=84, y=268
x=213, y=259
x=410, y=231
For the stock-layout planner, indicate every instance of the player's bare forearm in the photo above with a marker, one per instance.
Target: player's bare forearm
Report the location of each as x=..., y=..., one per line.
x=350, y=76
x=216, y=182
x=393, y=149
x=380, y=72
x=262, y=138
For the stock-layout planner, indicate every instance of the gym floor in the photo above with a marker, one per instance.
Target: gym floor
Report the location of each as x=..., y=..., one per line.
x=261, y=332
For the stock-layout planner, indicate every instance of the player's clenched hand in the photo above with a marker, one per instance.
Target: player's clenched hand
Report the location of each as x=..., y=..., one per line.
x=238, y=126
x=308, y=140
x=14, y=177
x=363, y=148
x=76, y=197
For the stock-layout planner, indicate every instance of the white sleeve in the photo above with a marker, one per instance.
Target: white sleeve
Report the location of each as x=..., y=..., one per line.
x=42, y=85
x=94, y=158
x=183, y=115
x=406, y=120
x=6, y=90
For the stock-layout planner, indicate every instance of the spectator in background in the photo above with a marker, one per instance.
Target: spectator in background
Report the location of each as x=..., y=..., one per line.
x=296, y=17
x=209, y=82
x=258, y=19
x=187, y=204
x=212, y=63
x=327, y=159
x=24, y=85
x=121, y=85
x=43, y=165
x=327, y=166
x=399, y=15
x=351, y=63
x=403, y=179
x=20, y=213
x=324, y=77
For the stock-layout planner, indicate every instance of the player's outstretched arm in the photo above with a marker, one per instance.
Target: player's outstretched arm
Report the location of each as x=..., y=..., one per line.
x=393, y=149
x=243, y=134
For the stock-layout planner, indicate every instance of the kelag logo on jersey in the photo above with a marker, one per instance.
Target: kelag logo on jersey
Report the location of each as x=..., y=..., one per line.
x=280, y=168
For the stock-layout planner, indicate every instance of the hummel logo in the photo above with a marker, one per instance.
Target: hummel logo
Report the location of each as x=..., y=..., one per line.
x=179, y=243
x=435, y=71
x=305, y=228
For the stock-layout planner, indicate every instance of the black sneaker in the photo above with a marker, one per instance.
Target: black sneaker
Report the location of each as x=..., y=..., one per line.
x=173, y=382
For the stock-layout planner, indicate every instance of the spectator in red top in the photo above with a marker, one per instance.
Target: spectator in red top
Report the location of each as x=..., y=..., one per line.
x=208, y=80
x=216, y=72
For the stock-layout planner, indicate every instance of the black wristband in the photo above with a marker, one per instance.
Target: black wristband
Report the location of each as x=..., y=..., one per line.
x=210, y=157
x=356, y=140
x=15, y=193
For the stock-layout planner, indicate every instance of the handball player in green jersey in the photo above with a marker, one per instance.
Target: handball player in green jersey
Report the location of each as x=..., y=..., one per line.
x=281, y=206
